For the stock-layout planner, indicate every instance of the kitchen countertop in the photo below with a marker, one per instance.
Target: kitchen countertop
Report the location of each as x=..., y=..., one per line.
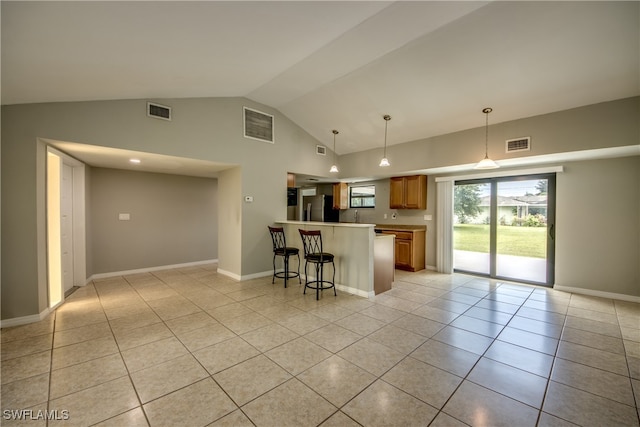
x=400, y=227
x=328, y=224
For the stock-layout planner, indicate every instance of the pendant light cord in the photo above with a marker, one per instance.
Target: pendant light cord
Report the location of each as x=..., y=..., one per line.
x=386, y=118
x=335, y=132
x=386, y=123
x=486, y=112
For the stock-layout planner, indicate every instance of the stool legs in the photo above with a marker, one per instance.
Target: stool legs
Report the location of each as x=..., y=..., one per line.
x=285, y=274
x=319, y=279
x=273, y=279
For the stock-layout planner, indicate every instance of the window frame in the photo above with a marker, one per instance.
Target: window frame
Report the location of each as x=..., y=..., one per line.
x=362, y=197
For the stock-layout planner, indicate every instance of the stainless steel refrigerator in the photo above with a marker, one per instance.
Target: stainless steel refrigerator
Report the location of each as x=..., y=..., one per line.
x=320, y=208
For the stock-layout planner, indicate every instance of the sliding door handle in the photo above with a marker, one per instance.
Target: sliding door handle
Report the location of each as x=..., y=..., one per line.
x=552, y=232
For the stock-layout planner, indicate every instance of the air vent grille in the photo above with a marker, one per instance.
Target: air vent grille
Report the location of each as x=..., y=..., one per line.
x=158, y=111
x=518, y=144
x=321, y=149
x=258, y=125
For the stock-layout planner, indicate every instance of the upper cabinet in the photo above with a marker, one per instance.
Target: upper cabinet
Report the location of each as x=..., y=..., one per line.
x=340, y=196
x=408, y=192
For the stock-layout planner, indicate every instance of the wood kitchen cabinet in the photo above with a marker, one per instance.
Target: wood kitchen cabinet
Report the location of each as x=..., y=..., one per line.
x=340, y=196
x=409, y=248
x=408, y=192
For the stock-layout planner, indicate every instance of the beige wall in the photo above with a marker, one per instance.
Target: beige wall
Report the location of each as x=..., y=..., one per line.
x=211, y=129
x=597, y=223
x=598, y=226
x=173, y=220
x=605, y=125
x=230, y=220
x=202, y=128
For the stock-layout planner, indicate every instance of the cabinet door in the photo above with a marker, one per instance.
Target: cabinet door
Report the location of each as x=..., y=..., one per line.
x=404, y=253
x=396, y=193
x=416, y=192
x=340, y=196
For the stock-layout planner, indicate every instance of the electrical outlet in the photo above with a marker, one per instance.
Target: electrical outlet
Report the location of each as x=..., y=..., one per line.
x=385, y=216
x=428, y=217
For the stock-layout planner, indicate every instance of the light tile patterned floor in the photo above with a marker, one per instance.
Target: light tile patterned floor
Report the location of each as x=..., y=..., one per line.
x=192, y=347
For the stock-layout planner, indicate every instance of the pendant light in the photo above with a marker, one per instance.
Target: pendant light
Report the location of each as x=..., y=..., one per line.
x=486, y=163
x=334, y=167
x=385, y=162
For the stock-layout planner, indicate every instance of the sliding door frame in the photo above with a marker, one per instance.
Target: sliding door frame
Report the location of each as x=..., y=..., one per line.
x=493, y=223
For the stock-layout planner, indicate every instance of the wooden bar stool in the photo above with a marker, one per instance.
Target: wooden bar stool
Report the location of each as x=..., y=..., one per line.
x=313, y=253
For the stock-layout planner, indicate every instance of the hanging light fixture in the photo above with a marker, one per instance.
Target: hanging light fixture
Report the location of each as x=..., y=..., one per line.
x=486, y=163
x=334, y=167
x=385, y=162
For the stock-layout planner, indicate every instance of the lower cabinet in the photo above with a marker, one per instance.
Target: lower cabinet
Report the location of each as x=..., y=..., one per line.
x=409, y=249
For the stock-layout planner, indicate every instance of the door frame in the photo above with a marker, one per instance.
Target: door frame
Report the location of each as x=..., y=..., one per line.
x=493, y=223
x=79, y=226
x=444, y=205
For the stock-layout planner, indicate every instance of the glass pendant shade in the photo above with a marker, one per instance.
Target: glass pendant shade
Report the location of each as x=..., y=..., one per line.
x=334, y=169
x=384, y=162
x=486, y=163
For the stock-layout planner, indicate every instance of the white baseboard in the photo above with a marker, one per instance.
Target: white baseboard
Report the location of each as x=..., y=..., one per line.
x=354, y=291
x=229, y=274
x=150, y=269
x=17, y=321
x=593, y=293
x=257, y=275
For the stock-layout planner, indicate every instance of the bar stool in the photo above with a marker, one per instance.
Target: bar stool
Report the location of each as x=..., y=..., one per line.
x=280, y=249
x=312, y=244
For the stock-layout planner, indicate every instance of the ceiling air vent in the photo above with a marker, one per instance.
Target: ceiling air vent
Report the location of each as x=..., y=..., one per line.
x=258, y=125
x=321, y=149
x=518, y=144
x=158, y=111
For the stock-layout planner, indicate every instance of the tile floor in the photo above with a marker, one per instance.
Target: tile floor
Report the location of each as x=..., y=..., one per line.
x=191, y=347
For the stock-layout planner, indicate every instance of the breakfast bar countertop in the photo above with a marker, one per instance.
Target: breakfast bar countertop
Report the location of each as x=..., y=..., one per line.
x=357, y=250
x=400, y=227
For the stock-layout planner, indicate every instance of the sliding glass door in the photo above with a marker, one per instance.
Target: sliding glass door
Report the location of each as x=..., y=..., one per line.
x=504, y=228
x=471, y=229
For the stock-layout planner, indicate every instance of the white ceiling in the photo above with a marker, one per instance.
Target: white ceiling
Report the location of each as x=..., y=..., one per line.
x=329, y=65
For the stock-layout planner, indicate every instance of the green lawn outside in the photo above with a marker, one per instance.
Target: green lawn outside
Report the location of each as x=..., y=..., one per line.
x=520, y=241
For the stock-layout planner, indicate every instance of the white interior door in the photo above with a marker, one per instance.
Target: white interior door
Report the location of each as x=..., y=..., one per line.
x=66, y=227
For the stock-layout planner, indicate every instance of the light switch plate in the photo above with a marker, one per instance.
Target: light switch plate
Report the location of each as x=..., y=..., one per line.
x=124, y=217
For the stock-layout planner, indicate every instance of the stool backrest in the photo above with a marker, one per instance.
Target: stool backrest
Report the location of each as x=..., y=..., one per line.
x=278, y=239
x=311, y=241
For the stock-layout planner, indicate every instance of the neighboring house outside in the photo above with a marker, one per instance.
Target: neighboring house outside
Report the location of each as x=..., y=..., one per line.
x=512, y=210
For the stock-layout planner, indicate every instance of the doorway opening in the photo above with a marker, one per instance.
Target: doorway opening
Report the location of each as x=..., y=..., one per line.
x=504, y=228
x=66, y=265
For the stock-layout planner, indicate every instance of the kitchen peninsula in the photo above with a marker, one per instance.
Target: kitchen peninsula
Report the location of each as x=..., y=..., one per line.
x=364, y=261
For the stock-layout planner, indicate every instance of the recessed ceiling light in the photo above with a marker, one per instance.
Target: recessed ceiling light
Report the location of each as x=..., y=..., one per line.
x=135, y=161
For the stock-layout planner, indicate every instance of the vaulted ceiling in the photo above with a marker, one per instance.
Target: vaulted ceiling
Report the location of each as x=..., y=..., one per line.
x=431, y=65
